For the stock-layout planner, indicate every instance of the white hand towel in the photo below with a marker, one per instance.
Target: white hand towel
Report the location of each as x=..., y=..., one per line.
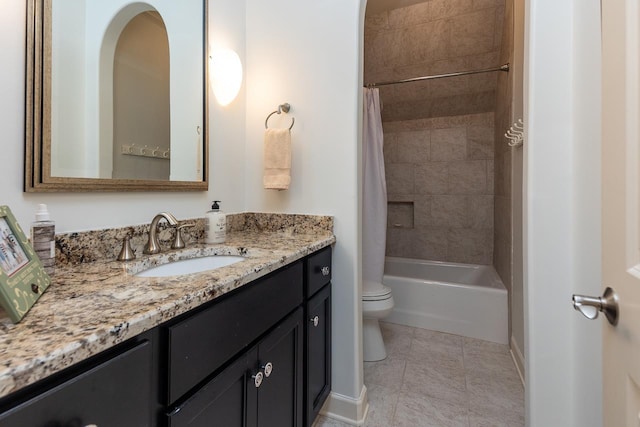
x=277, y=159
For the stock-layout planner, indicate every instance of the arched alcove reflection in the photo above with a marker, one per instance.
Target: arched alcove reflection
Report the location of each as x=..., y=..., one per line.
x=141, y=100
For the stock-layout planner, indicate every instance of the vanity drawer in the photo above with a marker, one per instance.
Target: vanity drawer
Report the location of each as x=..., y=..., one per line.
x=116, y=392
x=318, y=270
x=203, y=342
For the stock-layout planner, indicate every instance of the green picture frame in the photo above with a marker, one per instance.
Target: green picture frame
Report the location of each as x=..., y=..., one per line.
x=22, y=277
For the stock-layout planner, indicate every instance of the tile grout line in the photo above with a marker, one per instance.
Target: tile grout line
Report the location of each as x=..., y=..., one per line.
x=466, y=385
x=404, y=370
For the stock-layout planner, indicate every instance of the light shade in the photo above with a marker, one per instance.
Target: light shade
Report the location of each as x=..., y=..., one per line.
x=226, y=75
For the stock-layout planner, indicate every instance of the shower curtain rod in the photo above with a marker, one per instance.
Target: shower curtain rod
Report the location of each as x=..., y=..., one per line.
x=505, y=67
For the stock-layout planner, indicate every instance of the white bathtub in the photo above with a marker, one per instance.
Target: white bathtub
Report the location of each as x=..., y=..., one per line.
x=462, y=299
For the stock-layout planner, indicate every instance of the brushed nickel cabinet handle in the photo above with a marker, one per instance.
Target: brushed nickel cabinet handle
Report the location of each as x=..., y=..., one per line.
x=267, y=368
x=257, y=379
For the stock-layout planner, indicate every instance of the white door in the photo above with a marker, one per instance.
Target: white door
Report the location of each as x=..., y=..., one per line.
x=620, y=216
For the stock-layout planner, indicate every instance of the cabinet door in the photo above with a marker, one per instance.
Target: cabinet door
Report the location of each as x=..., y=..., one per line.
x=114, y=393
x=318, y=353
x=201, y=343
x=280, y=358
x=229, y=400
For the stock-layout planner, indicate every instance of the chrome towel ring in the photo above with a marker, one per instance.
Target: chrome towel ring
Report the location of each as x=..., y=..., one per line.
x=282, y=107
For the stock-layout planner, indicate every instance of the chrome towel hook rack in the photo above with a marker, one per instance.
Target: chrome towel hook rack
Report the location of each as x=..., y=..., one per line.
x=515, y=134
x=281, y=108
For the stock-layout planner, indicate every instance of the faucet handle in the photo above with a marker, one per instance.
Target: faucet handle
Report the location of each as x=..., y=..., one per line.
x=178, y=242
x=126, y=253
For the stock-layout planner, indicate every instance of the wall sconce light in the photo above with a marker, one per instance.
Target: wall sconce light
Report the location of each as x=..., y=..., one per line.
x=226, y=75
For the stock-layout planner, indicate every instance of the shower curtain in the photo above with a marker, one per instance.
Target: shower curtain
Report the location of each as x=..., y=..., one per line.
x=374, y=193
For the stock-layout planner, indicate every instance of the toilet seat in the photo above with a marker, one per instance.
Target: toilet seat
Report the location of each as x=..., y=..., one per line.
x=379, y=294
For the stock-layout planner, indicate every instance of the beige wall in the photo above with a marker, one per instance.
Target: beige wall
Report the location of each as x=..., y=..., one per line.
x=440, y=188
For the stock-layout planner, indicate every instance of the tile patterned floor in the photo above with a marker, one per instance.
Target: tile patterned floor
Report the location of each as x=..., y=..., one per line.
x=435, y=379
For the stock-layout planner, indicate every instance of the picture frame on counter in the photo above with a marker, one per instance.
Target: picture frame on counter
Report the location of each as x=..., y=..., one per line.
x=22, y=276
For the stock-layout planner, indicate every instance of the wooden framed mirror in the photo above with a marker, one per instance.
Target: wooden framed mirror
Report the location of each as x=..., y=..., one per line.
x=116, y=96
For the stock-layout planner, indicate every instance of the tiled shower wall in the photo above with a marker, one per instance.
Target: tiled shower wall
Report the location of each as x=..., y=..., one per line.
x=440, y=188
x=439, y=134
x=503, y=239
x=435, y=37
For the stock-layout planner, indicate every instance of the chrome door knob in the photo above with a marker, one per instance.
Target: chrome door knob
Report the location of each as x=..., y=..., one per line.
x=326, y=270
x=591, y=306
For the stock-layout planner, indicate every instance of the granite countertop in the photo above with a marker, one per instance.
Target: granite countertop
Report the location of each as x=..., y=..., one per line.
x=92, y=306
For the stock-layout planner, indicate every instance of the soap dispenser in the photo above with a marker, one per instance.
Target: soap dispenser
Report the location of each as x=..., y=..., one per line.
x=215, y=224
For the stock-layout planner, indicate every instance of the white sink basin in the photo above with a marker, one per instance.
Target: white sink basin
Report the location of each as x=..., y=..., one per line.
x=190, y=266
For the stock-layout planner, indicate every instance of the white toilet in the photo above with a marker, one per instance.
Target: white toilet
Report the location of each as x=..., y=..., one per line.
x=377, y=303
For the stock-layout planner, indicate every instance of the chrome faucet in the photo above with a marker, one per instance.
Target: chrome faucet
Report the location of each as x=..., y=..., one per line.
x=153, y=246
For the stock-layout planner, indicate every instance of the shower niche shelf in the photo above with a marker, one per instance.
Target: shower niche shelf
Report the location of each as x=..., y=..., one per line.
x=400, y=214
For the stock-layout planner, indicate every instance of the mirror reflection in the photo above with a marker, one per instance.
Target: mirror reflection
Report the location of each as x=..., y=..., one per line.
x=141, y=114
x=123, y=96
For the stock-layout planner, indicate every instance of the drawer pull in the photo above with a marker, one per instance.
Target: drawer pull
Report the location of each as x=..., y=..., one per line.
x=257, y=379
x=326, y=270
x=315, y=320
x=268, y=368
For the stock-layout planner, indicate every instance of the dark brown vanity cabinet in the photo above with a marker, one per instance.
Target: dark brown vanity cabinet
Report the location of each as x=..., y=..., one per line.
x=282, y=380
x=317, y=332
x=263, y=385
x=198, y=344
x=116, y=390
x=259, y=356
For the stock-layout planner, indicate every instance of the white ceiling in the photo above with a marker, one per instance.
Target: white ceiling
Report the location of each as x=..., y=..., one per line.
x=378, y=6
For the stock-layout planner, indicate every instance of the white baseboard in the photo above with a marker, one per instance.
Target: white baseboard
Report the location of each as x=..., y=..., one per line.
x=347, y=409
x=518, y=358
